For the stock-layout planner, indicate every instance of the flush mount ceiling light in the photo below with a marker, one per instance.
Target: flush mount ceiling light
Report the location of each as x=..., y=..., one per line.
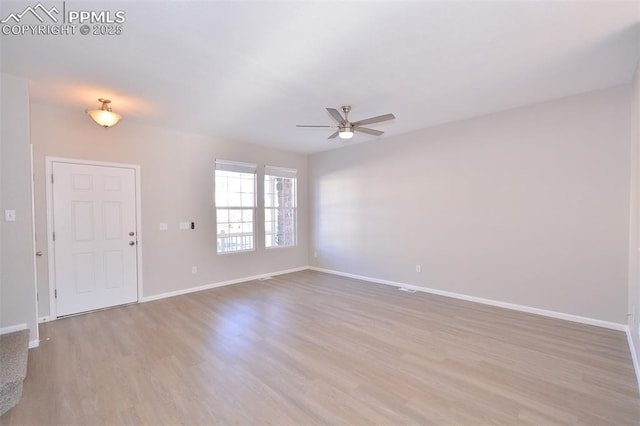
x=104, y=116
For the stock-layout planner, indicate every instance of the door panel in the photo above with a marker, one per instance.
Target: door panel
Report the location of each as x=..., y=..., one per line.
x=94, y=210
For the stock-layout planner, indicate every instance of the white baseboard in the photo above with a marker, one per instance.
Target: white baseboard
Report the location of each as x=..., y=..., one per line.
x=512, y=306
x=634, y=354
x=218, y=284
x=19, y=327
x=12, y=328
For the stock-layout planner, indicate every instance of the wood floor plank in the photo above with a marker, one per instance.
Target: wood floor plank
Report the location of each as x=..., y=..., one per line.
x=309, y=348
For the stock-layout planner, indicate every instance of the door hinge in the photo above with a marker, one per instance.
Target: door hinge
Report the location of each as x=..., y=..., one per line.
x=52, y=178
x=55, y=293
x=54, y=235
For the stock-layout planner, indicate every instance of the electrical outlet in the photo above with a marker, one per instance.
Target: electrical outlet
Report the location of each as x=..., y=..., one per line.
x=418, y=268
x=164, y=226
x=315, y=254
x=194, y=269
x=185, y=225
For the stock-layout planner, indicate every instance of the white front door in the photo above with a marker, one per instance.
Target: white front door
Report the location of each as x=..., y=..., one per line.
x=94, y=225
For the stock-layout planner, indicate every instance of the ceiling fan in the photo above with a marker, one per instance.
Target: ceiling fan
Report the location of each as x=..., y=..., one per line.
x=346, y=127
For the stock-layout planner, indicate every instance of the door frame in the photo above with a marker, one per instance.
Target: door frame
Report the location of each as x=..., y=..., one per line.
x=49, y=161
x=33, y=242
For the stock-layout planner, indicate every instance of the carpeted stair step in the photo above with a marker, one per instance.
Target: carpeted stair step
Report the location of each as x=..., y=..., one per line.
x=14, y=352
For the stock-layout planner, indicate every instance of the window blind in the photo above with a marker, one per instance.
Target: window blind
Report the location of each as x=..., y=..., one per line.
x=235, y=166
x=280, y=171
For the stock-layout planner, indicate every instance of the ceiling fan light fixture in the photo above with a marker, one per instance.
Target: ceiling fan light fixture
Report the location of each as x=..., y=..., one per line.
x=104, y=116
x=345, y=132
x=346, y=127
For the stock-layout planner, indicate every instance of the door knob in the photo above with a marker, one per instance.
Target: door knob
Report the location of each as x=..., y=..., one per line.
x=132, y=243
x=131, y=234
x=39, y=253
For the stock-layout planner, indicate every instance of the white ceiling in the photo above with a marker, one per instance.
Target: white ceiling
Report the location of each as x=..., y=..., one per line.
x=251, y=71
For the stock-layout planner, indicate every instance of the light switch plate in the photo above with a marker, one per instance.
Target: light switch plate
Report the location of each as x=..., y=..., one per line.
x=185, y=225
x=164, y=226
x=10, y=215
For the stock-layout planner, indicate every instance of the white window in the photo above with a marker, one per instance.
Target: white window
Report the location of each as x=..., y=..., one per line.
x=280, y=207
x=235, y=198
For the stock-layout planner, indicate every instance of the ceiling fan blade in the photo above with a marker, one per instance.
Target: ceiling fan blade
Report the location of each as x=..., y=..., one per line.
x=312, y=125
x=336, y=115
x=333, y=135
x=367, y=130
x=377, y=119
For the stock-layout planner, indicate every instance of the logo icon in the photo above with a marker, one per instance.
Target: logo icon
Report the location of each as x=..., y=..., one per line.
x=39, y=11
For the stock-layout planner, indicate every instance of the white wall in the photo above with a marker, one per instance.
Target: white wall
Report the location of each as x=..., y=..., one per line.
x=17, y=281
x=177, y=185
x=634, y=223
x=528, y=206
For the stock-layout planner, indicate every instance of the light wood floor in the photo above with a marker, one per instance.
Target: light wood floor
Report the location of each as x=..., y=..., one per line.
x=309, y=348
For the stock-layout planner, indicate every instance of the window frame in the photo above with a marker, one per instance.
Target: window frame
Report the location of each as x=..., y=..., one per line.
x=273, y=172
x=244, y=169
